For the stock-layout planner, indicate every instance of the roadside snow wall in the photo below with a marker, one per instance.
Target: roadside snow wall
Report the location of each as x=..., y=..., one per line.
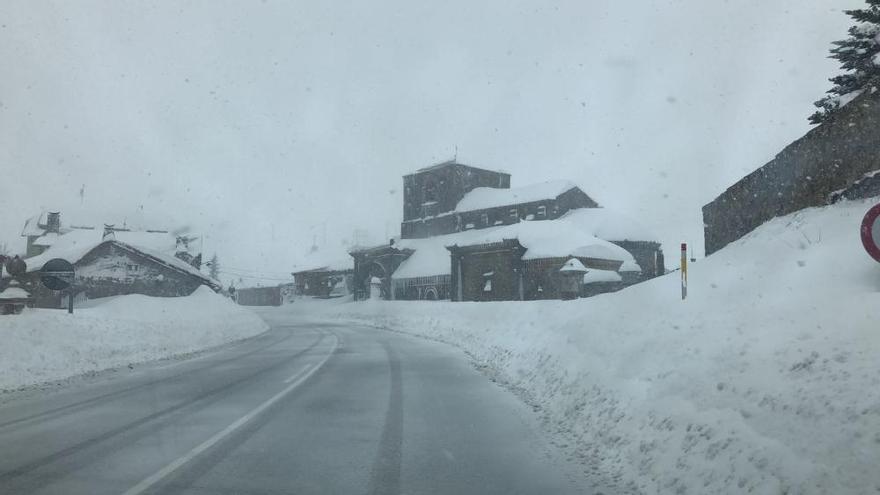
x=42, y=345
x=766, y=380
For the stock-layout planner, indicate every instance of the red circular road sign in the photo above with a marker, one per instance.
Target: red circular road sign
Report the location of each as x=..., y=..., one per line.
x=871, y=232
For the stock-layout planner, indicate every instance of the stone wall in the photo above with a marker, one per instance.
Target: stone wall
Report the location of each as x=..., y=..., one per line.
x=828, y=158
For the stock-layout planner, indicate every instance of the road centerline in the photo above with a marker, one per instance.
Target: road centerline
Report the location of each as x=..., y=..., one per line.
x=161, y=474
x=297, y=374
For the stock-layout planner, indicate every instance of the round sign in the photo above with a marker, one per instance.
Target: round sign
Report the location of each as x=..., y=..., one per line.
x=16, y=266
x=57, y=274
x=871, y=232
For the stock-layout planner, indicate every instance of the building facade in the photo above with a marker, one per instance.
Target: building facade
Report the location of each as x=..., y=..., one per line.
x=453, y=215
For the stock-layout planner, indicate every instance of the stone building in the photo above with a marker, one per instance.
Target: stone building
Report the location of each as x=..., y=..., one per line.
x=457, y=206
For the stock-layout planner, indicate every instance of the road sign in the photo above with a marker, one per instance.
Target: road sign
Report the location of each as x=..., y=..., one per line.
x=871, y=232
x=57, y=274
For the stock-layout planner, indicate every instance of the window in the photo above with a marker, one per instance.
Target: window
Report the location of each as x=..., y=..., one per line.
x=542, y=211
x=513, y=214
x=484, y=219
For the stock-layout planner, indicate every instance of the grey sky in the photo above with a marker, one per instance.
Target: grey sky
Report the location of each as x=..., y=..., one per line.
x=257, y=122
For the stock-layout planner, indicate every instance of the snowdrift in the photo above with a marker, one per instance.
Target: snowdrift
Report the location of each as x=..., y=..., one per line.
x=41, y=345
x=766, y=380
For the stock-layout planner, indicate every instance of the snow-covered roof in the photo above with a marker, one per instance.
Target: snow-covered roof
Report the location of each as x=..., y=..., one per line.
x=74, y=245
x=430, y=257
x=325, y=259
x=609, y=224
x=32, y=226
x=547, y=239
x=46, y=239
x=490, y=197
x=455, y=163
x=14, y=293
x=597, y=276
x=573, y=265
x=542, y=239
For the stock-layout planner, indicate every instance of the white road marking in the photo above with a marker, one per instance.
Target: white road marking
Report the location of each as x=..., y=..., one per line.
x=207, y=444
x=296, y=375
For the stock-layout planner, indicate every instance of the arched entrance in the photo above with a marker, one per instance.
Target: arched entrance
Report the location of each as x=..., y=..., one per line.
x=431, y=294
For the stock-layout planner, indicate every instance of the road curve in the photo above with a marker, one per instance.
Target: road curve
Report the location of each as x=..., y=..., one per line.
x=303, y=408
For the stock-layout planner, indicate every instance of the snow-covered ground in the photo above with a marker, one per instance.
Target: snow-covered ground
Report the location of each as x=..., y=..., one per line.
x=43, y=344
x=766, y=380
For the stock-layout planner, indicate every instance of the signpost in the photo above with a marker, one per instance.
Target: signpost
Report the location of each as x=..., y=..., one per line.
x=58, y=274
x=684, y=271
x=871, y=232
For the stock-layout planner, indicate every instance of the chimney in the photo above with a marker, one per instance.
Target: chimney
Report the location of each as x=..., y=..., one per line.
x=53, y=222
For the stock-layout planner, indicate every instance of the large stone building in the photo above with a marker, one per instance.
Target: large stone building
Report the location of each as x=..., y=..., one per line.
x=462, y=222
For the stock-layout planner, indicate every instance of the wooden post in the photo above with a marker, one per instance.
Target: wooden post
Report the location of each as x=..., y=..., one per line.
x=684, y=271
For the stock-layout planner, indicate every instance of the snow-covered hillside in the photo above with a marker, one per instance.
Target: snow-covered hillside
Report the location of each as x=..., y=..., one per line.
x=44, y=344
x=766, y=380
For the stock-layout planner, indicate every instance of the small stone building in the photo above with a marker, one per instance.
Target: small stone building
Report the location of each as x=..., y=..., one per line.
x=324, y=273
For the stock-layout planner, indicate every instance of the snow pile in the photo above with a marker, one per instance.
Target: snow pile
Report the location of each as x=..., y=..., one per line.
x=601, y=276
x=42, y=345
x=766, y=380
x=481, y=198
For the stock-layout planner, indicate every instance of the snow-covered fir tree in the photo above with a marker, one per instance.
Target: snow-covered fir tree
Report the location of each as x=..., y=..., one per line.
x=214, y=267
x=859, y=57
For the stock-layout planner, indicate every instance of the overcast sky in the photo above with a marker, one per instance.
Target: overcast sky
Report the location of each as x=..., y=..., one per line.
x=264, y=124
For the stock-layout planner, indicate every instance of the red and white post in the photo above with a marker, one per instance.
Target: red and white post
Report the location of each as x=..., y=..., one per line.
x=684, y=271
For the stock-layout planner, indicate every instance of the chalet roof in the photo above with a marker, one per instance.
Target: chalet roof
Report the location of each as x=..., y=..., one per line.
x=489, y=197
x=157, y=246
x=76, y=252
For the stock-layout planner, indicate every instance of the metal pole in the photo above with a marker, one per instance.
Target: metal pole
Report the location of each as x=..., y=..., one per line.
x=684, y=271
x=70, y=301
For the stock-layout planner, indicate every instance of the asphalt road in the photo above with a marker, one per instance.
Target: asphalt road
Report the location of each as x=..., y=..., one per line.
x=301, y=409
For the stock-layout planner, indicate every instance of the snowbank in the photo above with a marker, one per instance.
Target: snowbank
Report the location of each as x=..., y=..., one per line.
x=42, y=345
x=766, y=380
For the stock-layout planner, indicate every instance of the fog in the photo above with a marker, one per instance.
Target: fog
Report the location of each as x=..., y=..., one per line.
x=267, y=126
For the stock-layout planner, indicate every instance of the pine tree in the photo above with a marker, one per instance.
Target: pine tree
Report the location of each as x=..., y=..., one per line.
x=214, y=267
x=858, y=56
